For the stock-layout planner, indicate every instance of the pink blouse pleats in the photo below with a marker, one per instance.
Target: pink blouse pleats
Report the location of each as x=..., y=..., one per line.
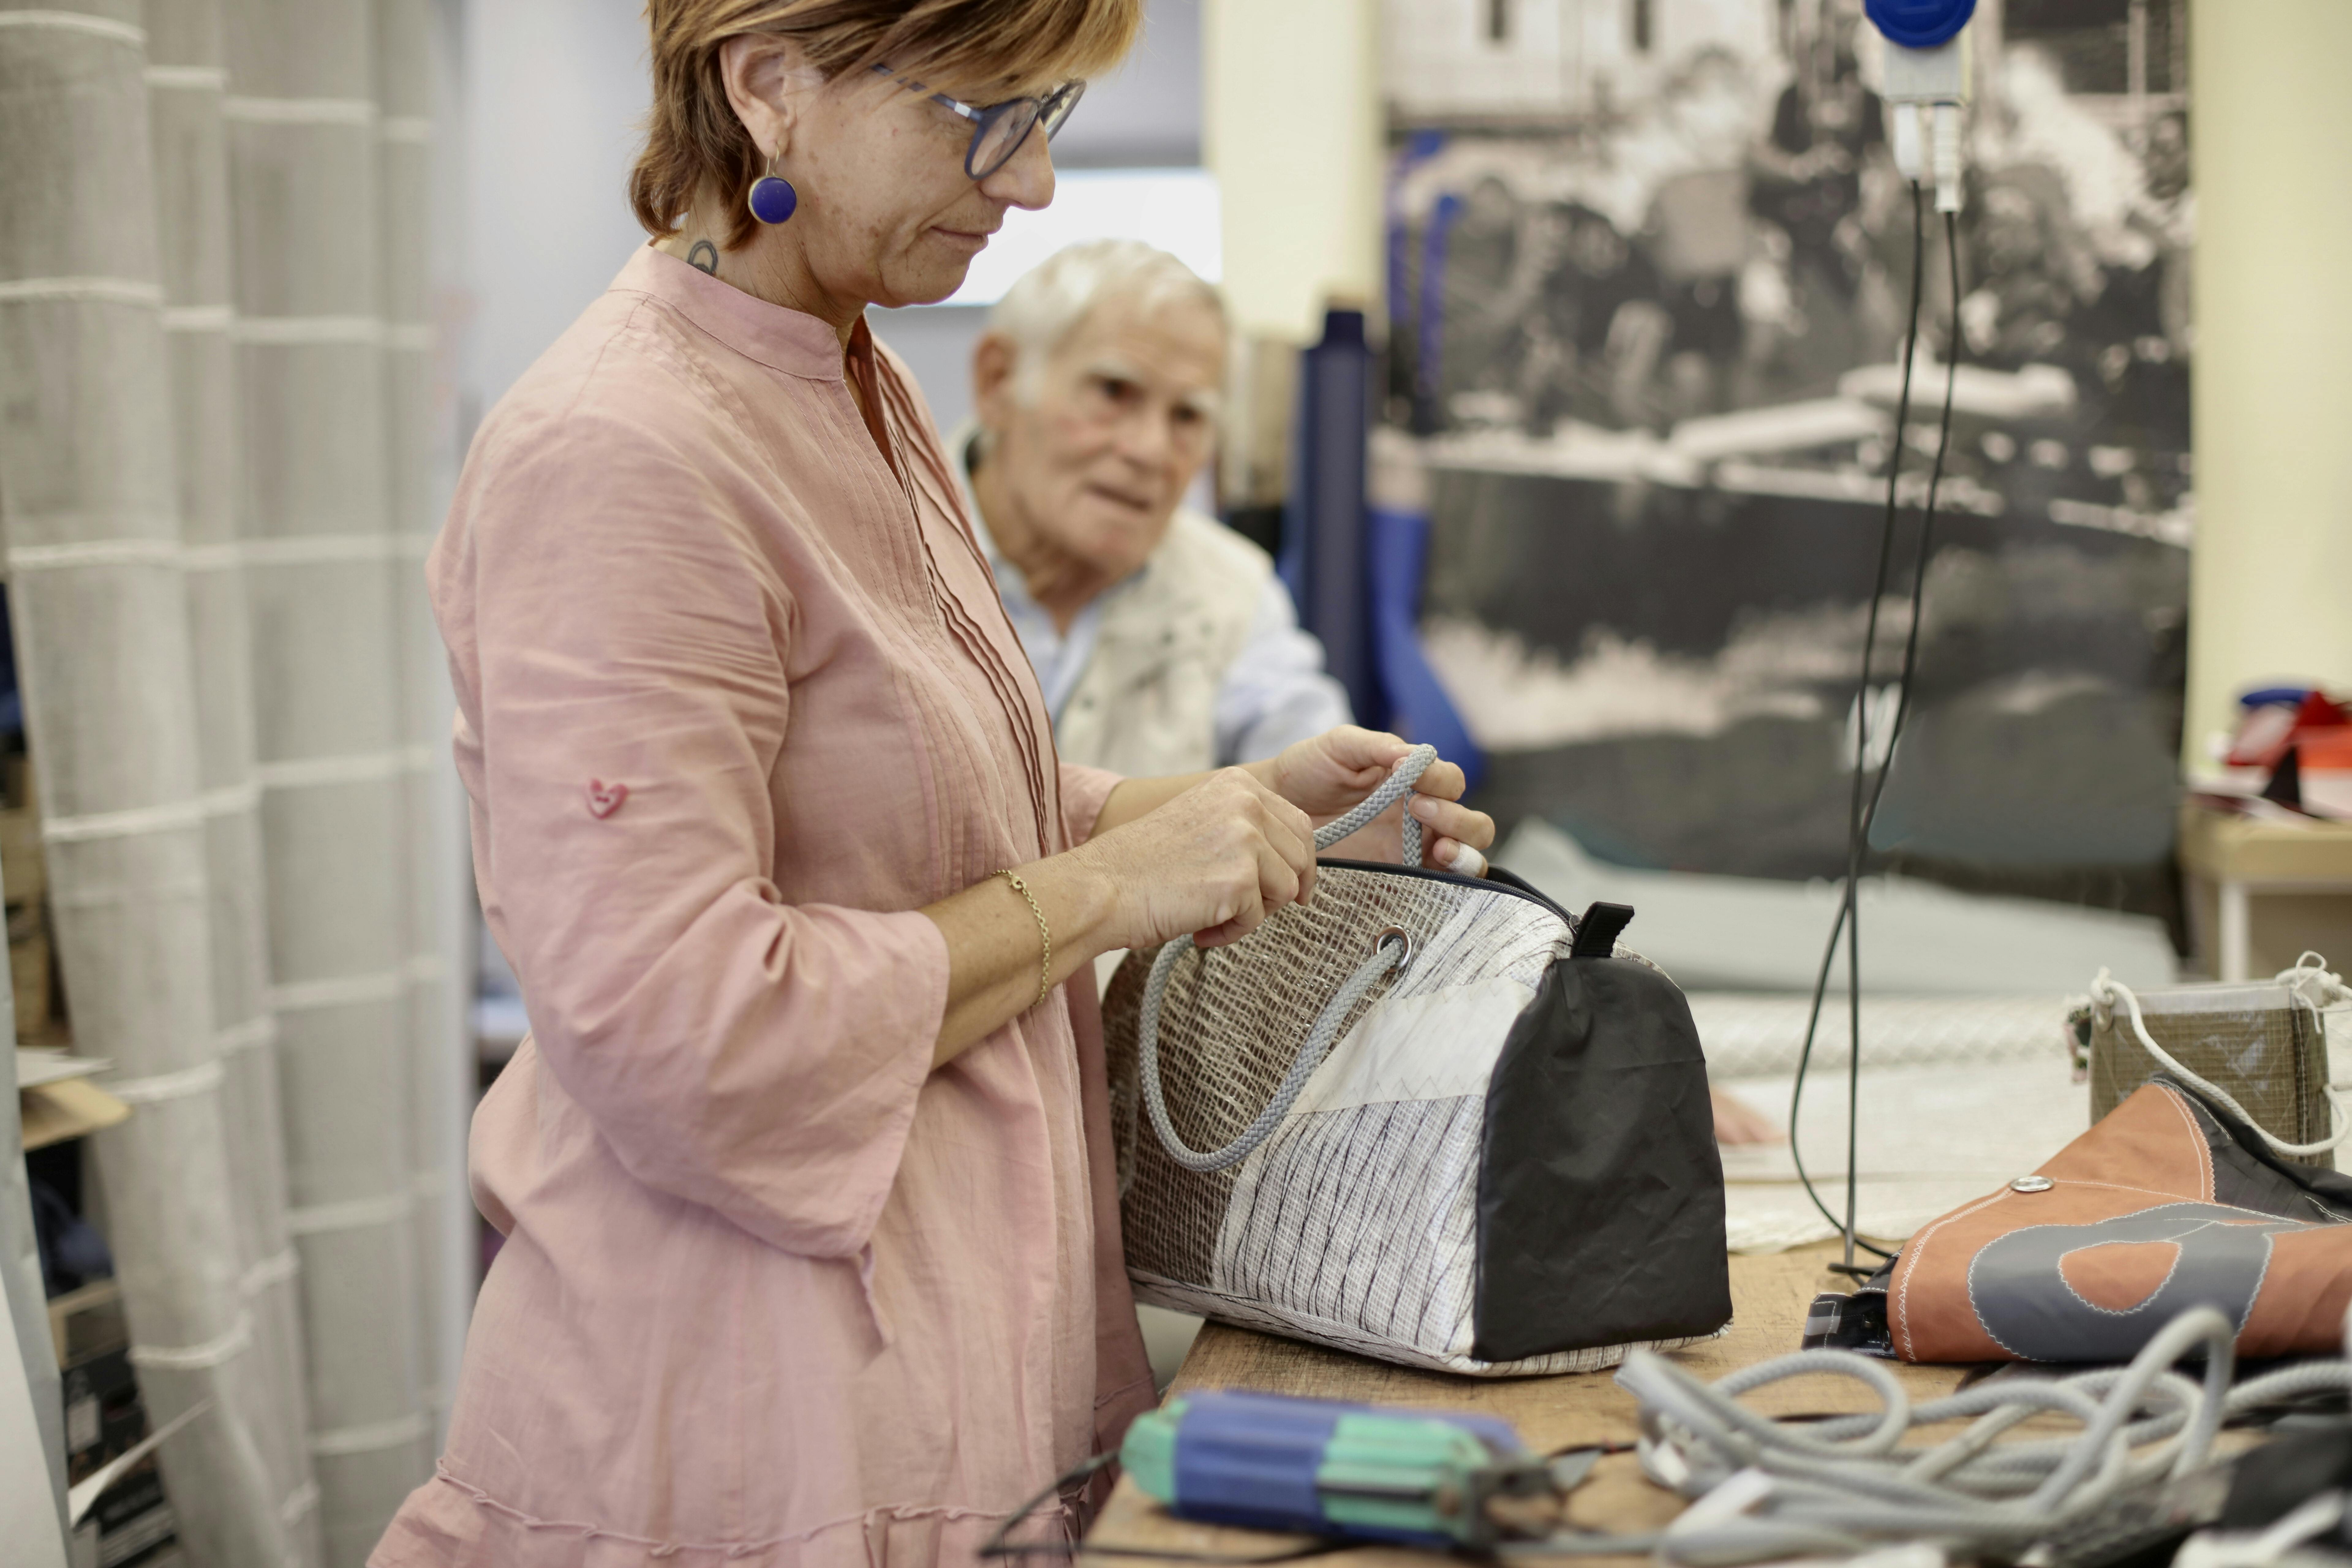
x=735, y=698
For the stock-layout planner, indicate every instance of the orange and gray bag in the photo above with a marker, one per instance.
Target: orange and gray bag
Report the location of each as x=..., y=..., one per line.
x=1426, y=1117
x=2207, y=1179
x=2169, y=1202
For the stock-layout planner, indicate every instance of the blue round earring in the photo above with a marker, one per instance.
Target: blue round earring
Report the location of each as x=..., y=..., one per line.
x=773, y=198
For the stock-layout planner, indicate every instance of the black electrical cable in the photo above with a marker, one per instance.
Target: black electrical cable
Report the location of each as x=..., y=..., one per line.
x=1864, y=814
x=1862, y=713
x=1927, y=518
x=1902, y=711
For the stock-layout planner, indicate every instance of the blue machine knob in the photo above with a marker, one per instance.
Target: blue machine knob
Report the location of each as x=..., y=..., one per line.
x=1918, y=24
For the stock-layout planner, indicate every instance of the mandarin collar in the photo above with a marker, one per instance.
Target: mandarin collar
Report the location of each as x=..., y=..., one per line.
x=790, y=340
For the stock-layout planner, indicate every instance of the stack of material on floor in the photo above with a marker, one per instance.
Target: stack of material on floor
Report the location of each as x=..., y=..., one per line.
x=1966, y=1078
x=132, y=1521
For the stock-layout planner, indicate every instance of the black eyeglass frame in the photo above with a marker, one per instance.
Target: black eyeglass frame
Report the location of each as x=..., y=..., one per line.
x=1052, y=111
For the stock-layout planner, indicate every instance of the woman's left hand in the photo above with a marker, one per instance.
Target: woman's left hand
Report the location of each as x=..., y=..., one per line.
x=1329, y=774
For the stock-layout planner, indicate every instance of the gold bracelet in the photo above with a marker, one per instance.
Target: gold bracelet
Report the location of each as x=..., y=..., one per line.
x=1044, y=935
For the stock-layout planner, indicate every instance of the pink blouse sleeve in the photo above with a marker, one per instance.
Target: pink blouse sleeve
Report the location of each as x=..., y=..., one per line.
x=1084, y=791
x=756, y=1057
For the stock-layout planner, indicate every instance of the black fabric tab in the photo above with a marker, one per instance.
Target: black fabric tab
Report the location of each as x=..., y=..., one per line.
x=1597, y=932
x=1599, y=1190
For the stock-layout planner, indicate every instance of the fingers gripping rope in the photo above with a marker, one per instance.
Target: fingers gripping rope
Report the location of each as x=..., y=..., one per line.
x=1386, y=954
x=1395, y=787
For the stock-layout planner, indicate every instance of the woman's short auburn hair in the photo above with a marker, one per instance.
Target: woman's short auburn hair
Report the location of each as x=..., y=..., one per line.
x=694, y=140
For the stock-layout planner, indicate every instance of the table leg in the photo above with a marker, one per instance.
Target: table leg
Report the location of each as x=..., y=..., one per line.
x=2236, y=935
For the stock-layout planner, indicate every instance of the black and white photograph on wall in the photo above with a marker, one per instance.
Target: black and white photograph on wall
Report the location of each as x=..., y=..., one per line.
x=1650, y=264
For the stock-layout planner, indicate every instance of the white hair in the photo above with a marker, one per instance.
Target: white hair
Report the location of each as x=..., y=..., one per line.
x=1050, y=300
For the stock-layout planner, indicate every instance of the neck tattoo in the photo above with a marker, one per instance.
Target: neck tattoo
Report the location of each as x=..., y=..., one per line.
x=704, y=255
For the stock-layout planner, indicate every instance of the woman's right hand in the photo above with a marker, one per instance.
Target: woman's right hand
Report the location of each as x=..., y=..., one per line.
x=1212, y=863
x=1209, y=862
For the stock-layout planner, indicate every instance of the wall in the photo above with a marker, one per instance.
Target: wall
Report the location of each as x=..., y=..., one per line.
x=553, y=90
x=1292, y=131
x=2271, y=137
x=1146, y=114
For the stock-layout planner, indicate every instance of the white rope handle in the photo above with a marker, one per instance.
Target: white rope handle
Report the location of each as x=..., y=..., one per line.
x=2106, y=988
x=1386, y=955
x=2310, y=973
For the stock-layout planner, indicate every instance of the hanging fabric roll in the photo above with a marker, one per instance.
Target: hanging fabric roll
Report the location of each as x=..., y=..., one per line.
x=89, y=509
x=420, y=468
x=333, y=752
x=186, y=81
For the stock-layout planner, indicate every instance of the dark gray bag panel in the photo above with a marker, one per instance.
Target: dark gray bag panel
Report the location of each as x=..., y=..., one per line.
x=1600, y=1194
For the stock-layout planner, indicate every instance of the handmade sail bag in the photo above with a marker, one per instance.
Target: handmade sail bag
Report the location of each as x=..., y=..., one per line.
x=1427, y=1118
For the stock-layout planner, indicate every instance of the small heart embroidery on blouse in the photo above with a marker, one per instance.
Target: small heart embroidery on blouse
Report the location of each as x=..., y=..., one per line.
x=604, y=799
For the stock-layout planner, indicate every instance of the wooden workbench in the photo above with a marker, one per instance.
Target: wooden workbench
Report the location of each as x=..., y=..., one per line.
x=2233, y=861
x=1769, y=1298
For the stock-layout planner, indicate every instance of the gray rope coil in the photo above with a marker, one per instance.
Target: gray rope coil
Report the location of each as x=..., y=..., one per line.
x=1386, y=955
x=1839, y=1486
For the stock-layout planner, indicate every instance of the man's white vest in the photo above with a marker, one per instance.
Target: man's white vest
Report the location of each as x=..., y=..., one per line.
x=1147, y=703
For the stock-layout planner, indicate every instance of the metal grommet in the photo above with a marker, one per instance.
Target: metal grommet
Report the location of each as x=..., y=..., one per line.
x=1400, y=934
x=2032, y=1184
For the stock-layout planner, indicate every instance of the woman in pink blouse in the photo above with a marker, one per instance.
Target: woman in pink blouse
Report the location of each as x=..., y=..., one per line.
x=812, y=1253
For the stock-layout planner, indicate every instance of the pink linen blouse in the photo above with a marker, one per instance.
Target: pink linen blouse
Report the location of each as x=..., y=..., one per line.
x=736, y=698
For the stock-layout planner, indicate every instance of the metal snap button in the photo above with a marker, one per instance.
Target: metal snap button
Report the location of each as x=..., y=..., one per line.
x=2032, y=1184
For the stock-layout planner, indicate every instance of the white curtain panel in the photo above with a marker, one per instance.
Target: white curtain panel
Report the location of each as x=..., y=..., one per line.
x=338, y=766
x=90, y=510
x=186, y=82
x=217, y=477
x=439, y=889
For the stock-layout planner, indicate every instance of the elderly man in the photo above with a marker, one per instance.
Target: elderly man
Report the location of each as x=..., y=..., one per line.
x=1163, y=641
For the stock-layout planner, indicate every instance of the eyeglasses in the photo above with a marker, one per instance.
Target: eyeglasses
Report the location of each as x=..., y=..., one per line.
x=998, y=129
